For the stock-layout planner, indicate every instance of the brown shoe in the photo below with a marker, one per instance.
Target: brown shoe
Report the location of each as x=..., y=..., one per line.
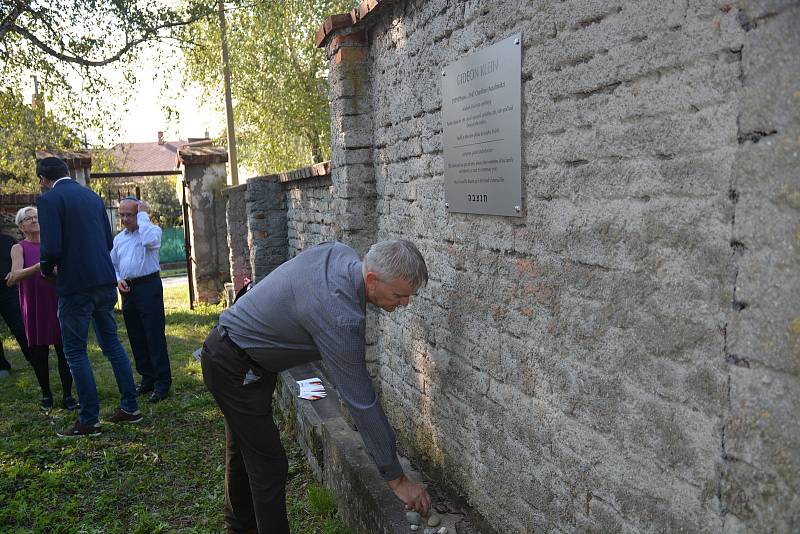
x=78, y=430
x=124, y=417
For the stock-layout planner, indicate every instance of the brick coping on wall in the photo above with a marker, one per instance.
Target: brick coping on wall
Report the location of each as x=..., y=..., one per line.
x=344, y=20
x=316, y=170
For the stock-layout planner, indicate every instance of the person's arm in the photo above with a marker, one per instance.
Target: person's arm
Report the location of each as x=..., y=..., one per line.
x=50, y=236
x=149, y=233
x=122, y=284
x=342, y=351
x=17, y=272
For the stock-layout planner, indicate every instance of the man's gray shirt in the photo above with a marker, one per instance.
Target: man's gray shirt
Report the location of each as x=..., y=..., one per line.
x=311, y=307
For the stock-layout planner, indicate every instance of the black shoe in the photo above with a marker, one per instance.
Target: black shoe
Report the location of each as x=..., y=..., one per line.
x=78, y=430
x=46, y=403
x=158, y=396
x=141, y=390
x=126, y=417
x=70, y=403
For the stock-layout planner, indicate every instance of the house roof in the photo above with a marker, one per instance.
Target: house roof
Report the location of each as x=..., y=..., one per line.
x=133, y=157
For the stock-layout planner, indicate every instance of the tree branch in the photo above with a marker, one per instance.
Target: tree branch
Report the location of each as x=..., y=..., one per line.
x=150, y=34
x=12, y=17
x=72, y=59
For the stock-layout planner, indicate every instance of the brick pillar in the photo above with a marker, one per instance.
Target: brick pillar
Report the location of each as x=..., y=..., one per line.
x=205, y=174
x=353, y=176
x=266, y=221
x=352, y=134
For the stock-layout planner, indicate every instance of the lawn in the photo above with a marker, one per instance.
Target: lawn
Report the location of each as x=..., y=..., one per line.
x=164, y=475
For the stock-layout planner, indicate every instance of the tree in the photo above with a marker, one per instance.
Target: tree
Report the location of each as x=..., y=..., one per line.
x=23, y=131
x=165, y=209
x=70, y=45
x=43, y=37
x=277, y=76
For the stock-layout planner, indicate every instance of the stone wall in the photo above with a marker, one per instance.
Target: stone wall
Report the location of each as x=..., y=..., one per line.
x=285, y=213
x=237, y=232
x=625, y=356
x=760, y=475
x=266, y=223
x=309, y=214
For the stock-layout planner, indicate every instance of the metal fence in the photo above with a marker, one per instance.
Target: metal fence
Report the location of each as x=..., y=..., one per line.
x=172, y=245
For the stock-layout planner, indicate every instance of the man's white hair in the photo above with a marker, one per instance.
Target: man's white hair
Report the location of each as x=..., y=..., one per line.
x=21, y=214
x=396, y=258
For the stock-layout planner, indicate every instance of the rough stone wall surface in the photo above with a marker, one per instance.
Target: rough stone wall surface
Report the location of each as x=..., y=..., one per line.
x=309, y=214
x=761, y=440
x=266, y=222
x=236, y=227
x=625, y=356
x=353, y=174
x=207, y=229
x=221, y=239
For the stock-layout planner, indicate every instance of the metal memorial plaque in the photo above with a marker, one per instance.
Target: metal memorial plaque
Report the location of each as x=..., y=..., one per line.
x=481, y=123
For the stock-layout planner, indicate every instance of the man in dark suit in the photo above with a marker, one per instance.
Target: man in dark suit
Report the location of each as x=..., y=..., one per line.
x=75, y=244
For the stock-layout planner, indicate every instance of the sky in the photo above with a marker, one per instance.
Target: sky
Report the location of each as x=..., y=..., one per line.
x=145, y=115
x=142, y=115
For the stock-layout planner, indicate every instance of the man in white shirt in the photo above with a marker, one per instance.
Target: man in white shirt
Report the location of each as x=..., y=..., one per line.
x=135, y=259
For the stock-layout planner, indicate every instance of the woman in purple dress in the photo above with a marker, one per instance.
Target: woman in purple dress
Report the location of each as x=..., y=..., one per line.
x=39, y=304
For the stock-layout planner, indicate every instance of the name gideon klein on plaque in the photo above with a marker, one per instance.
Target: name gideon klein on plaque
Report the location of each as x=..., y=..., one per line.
x=481, y=97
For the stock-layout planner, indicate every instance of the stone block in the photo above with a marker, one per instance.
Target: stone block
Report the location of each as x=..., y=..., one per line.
x=760, y=486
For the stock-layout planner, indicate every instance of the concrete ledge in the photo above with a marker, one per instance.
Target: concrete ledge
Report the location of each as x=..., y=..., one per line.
x=336, y=454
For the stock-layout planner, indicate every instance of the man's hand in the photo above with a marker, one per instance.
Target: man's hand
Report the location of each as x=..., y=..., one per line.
x=122, y=285
x=143, y=206
x=414, y=495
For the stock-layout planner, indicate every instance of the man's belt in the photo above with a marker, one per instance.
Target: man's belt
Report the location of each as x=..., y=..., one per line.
x=225, y=338
x=141, y=279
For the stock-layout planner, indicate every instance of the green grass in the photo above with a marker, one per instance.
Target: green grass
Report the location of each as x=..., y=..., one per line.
x=173, y=272
x=164, y=475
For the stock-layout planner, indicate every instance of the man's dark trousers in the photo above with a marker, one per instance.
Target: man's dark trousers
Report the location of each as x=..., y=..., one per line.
x=255, y=463
x=9, y=309
x=143, y=310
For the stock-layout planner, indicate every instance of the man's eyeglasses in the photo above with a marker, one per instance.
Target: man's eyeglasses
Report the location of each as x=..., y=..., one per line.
x=30, y=218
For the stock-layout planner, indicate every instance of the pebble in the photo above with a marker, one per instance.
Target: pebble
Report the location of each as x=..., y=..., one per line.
x=413, y=518
x=414, y=527
x=442, y=530
x=434, y=520
x=430, y=531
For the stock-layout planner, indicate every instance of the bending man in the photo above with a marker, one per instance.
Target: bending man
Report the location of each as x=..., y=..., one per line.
x=311, y=307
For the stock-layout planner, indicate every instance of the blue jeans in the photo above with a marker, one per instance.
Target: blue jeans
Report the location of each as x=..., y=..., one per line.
x=74, y=313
